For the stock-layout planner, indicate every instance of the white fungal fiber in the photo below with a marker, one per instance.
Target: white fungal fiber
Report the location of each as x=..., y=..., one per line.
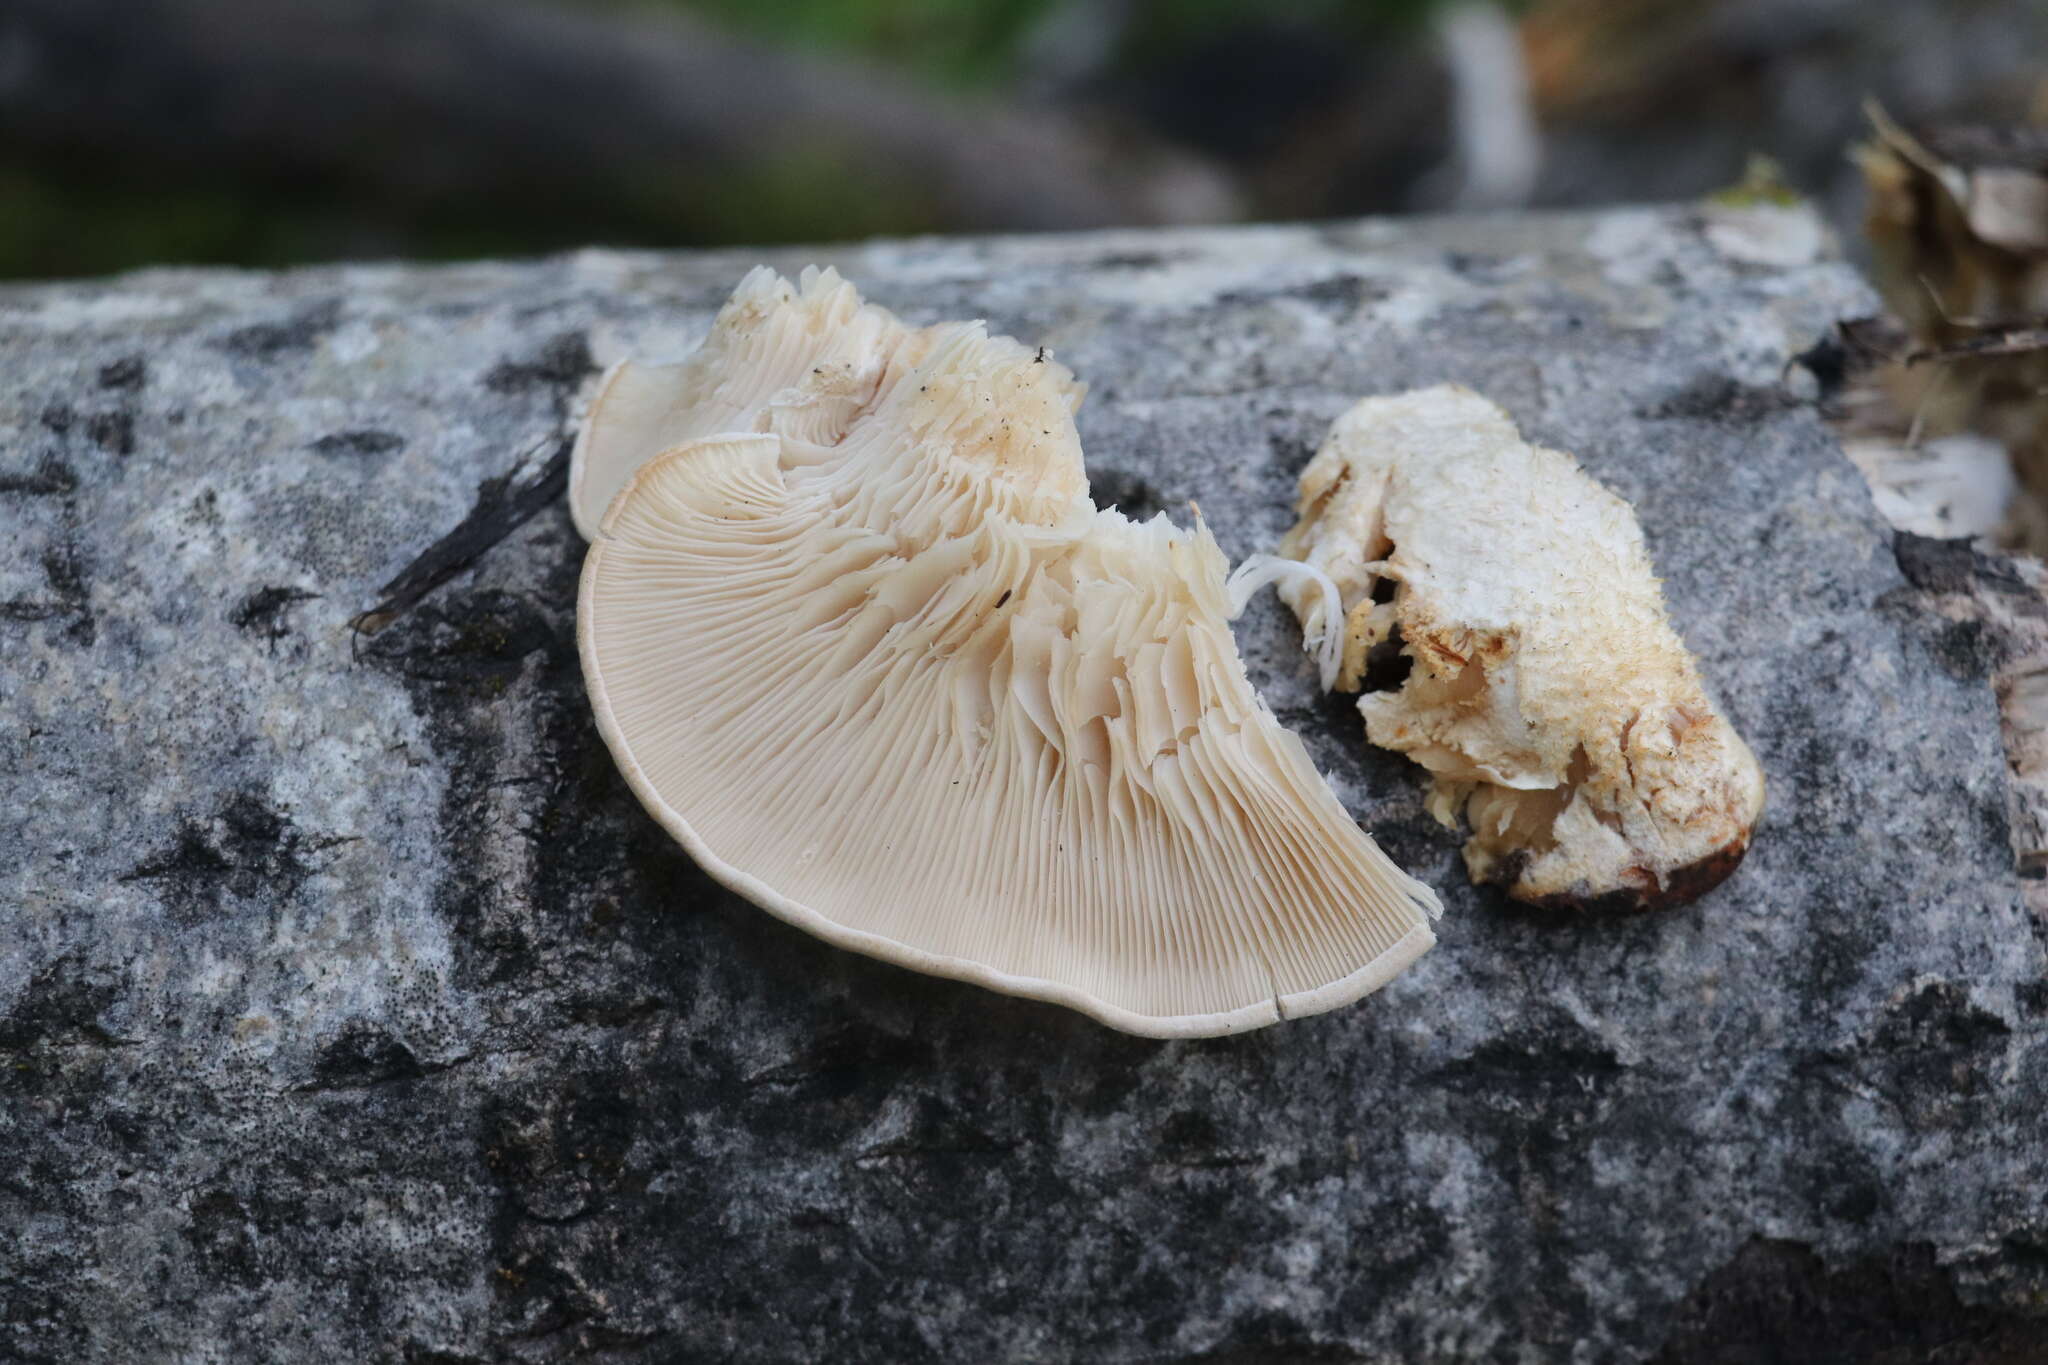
x=1321, y=634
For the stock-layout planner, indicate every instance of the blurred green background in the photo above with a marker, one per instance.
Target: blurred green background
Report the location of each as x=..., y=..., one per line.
x=266, y=132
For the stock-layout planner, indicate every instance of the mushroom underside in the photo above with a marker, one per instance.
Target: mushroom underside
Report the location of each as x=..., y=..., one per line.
x=1045, y=779
x=907, y=689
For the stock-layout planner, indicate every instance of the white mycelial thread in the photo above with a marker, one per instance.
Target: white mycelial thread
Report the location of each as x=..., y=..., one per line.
x=909, y=690
x=1317, y=635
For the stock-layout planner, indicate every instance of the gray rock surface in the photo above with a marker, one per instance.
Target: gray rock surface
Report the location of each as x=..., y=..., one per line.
x=350, y=1009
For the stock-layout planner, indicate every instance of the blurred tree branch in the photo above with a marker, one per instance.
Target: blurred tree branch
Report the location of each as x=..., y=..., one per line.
x=514, y=102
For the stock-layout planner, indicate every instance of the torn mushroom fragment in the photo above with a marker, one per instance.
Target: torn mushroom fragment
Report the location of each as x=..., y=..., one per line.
x=912, y=693
x=800, y=361
x=1547, y=691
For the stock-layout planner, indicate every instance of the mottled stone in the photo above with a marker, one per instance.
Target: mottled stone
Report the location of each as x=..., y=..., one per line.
x=351, y=1009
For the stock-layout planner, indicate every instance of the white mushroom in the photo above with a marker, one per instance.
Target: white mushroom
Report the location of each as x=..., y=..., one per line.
x=912, y=693
x=800, y=361
x=1547, y=692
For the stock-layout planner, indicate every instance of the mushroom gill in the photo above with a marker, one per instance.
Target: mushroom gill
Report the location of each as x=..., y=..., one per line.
x=801, y=360
x=911, y=692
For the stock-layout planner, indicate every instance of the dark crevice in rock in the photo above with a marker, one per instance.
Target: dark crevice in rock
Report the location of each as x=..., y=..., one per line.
x=113, y=432
x=1533, y=1067
x=263, y=612
x=1291, y=453
x=224, y=1238
x=1125, y=491
x=27, y=609
x=558, y=1158
x=919, y=1151
x=1221, y=1161
x=1967, y=650
x=1342, y=292
x=416, y=1354
x=1935, y=1055
x=268, y=341
x=66, y=574
x=1851, y=349
x=129, y=372
x=63, y=1004
x=845, y=1061
x=246, y=849
x=942, y=1132
x=1719, y=398
x=1335, y=713
x=1474, y=266
x=192, y=856
x=364, y=1056
x=65, y=580
x=1939, y=1016
x=1135, y=260
x=1267, y=1337
x=1191, y=1141
x=52, y=478
x=1778, y=1303
x=363, y=442
x=2026, y=1250
x=1271, y=1351
x=602, y=1012
x=1939, y=565
x=561, y=365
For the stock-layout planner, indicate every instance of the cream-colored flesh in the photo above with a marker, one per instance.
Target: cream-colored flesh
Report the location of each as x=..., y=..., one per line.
x=1548, y=695
x=912, y=693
